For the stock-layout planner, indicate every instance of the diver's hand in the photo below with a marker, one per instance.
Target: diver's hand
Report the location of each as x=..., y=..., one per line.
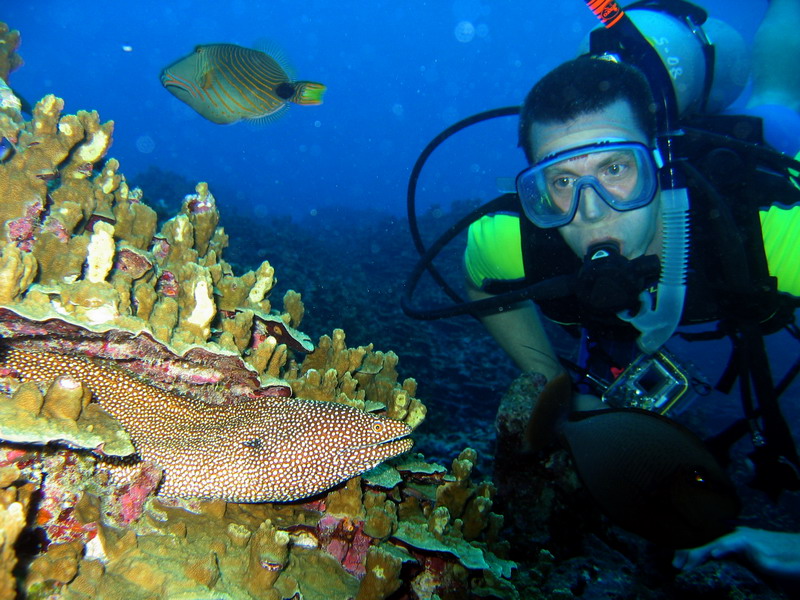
x=774, y=553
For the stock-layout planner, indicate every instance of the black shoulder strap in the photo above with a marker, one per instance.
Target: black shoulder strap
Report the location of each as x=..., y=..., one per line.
x=737, y=177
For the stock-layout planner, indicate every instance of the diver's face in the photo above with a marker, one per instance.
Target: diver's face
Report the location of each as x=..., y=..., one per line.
x=636, y=231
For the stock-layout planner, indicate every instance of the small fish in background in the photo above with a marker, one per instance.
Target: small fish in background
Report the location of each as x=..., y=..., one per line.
x=651, y=475
x=226, y=83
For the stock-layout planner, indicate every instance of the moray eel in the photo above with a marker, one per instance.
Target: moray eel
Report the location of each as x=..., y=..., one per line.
x=265, y=449
x=651, y=475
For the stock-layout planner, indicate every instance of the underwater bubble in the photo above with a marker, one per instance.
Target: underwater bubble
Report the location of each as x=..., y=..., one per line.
x=145, y=144
x=465, y=32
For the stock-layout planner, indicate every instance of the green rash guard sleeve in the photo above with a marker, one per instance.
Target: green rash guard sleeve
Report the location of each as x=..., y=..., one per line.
x=494, y=250
x=780, y=228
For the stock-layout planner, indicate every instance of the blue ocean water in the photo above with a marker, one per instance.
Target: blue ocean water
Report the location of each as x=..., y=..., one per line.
x=397, y=74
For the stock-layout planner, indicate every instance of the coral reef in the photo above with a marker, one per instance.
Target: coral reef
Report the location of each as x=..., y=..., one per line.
x=87, y=275
x=9, y=59
x=360, y=540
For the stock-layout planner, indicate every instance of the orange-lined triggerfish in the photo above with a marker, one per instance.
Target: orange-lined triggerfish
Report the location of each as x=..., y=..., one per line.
x=226, y=83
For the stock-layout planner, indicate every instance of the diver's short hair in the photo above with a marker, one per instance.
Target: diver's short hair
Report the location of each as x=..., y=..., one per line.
x=582, y=86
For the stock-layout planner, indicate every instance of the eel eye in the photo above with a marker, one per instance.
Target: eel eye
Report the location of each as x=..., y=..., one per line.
x=378, y=427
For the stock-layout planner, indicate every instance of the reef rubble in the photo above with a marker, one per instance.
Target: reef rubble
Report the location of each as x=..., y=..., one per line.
x=87, y=273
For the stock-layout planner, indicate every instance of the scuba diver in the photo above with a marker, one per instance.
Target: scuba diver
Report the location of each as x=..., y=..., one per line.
x=640, y=212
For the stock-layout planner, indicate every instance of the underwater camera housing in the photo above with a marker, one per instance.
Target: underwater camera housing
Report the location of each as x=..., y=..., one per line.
x=656, y=382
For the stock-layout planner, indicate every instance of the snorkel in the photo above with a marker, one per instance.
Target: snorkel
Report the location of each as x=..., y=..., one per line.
x=621, y=38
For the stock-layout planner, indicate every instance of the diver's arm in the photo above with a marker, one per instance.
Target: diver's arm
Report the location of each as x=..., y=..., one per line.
x=520, y=333
x=775, y=553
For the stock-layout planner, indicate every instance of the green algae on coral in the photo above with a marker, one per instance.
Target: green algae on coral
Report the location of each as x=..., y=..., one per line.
x=30, y=418
x=417, y=464
x=383, y=476
x=472, y=557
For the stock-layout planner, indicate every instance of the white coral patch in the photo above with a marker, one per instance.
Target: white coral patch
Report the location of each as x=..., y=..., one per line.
x=204, y=308
x=7, y=98
x=100, y=255
x=93, y=150
x=49, y=105
x=101, y=314
x=264, y=282
x=182, y=229
x=94, y=550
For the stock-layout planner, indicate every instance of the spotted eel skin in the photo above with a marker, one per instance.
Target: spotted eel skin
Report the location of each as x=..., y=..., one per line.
x=249, y=450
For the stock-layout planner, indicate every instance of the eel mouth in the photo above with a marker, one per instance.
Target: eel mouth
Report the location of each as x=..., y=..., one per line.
x=388, y=448
x=372, y=454
x=397, y=445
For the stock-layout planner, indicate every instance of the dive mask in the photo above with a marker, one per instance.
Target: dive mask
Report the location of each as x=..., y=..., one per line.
x=623, y=174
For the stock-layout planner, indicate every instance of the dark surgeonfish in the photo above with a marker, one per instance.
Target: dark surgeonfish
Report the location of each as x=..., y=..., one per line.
x=649, y=474
x=226, y=83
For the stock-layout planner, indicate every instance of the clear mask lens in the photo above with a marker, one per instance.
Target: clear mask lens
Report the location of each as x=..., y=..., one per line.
x=622, y=174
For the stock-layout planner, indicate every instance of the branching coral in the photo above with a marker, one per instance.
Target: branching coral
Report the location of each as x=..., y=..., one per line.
x=85, y=272
x=9, y=59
